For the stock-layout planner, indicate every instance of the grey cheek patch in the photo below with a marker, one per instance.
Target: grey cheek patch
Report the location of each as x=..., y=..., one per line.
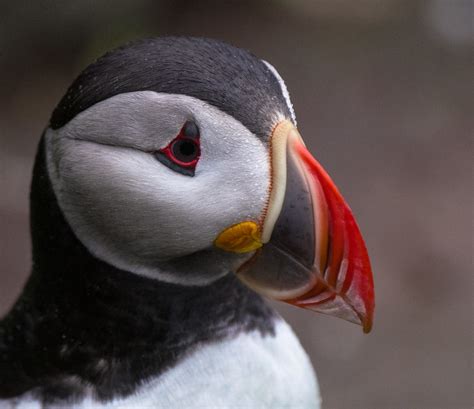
x=135, y=213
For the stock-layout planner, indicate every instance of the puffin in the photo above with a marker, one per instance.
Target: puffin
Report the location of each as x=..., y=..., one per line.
x=171, y=195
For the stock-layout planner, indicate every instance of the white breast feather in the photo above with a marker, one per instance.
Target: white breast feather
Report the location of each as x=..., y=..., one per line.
x=247, y=372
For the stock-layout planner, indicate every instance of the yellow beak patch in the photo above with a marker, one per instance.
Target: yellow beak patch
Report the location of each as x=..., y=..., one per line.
x=240, y=238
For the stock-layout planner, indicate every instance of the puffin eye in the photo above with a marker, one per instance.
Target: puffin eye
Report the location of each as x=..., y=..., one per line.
x=183, y=152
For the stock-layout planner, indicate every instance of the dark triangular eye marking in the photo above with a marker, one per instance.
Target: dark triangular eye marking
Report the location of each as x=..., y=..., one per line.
x=190, y=130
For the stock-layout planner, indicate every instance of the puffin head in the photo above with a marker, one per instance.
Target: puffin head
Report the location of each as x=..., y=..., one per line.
x=179, y=159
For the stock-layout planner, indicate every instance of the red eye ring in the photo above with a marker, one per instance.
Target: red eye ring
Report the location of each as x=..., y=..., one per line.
x=183, y=152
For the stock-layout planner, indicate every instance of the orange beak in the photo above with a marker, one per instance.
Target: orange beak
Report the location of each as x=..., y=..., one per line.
x=311, y=253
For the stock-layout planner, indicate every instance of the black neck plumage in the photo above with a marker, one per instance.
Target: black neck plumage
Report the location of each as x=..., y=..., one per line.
x=79, y=318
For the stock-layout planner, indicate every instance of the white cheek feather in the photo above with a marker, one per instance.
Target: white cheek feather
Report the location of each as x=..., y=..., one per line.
x=245, y=372
x=134, y=212
x=284, y=90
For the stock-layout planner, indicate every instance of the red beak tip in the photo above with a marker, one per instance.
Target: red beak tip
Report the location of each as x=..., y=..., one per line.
x=367, y=324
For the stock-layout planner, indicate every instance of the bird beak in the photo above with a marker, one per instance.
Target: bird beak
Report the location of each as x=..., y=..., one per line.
x=309, y=251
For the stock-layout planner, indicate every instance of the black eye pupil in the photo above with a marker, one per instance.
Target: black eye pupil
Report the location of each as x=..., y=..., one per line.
x=185, y=150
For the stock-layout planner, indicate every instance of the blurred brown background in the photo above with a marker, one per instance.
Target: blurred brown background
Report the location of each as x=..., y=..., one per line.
x=383, y=96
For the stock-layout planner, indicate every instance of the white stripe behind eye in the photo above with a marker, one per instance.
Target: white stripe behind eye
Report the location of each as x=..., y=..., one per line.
x=284, y=90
